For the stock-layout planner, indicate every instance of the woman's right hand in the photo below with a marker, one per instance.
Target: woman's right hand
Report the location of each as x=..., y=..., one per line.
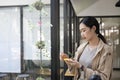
x=63, y=56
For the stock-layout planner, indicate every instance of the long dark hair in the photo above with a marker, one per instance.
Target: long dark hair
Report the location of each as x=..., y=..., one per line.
x=90, y=21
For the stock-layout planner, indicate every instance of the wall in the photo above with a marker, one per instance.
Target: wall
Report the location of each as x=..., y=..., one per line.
x=15, y=2
x=22, y=2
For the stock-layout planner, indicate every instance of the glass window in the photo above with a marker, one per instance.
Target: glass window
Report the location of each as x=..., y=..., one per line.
x=61, y=38
x=37, y=31
x=36, y=27
x=110, y=28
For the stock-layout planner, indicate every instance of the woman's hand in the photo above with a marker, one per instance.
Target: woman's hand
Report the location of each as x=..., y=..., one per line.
x=63, y=56
x=69, y=61
x=73, y=62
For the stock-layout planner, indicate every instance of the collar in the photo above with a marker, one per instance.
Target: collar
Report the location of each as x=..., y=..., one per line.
x=82, y=47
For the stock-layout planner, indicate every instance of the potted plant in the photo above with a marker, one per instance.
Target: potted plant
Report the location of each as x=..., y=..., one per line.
x=38, y=5
x=40, y=44
x=40, y=78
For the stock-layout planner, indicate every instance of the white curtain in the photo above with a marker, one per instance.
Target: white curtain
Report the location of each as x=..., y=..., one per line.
x=10, y=56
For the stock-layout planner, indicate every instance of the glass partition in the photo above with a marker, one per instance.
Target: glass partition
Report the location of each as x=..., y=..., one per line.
x=110, y=28
x=37, y=40
x=61, y=38
x=26, y=40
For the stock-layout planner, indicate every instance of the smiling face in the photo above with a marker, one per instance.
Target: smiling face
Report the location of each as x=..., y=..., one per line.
x=86, y=32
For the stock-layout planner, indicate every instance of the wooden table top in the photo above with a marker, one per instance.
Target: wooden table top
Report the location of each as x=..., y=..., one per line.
x=68, y=73
x=44, y=71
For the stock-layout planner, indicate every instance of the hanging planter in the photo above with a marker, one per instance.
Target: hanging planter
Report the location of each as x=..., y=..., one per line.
x=40, y=44
x=40, y=78
x=38, y=5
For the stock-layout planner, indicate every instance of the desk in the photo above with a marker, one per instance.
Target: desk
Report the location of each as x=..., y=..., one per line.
x=44, y=71
x=69, y=74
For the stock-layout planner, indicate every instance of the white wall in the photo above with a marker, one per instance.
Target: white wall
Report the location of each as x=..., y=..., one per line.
x=15, y=2
x=19, y=2
x=22, y=2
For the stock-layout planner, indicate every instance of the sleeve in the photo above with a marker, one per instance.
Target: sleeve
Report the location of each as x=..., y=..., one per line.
x=104, y=69
x=71, y=69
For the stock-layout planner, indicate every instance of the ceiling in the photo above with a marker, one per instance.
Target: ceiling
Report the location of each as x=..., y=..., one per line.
x=81, y=5
x=98, y=8
x=95, y=7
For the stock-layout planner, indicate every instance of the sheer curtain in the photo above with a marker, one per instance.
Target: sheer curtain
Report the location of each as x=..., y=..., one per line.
x=10, y=57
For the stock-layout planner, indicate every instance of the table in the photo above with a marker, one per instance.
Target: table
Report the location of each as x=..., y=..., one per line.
x=44, y=71
x=68, y=73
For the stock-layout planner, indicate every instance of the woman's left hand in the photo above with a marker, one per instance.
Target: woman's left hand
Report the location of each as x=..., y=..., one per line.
x=74, y=63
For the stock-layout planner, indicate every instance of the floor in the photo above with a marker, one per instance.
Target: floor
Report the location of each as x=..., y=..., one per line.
x=116, y=75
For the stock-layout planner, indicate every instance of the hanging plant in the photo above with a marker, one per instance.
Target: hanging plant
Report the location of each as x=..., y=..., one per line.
x=40, y=78
x=38, y=5
x=40, y=44
x=71, y=54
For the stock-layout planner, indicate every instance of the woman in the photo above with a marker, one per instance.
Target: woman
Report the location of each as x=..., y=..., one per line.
x=93, y=56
